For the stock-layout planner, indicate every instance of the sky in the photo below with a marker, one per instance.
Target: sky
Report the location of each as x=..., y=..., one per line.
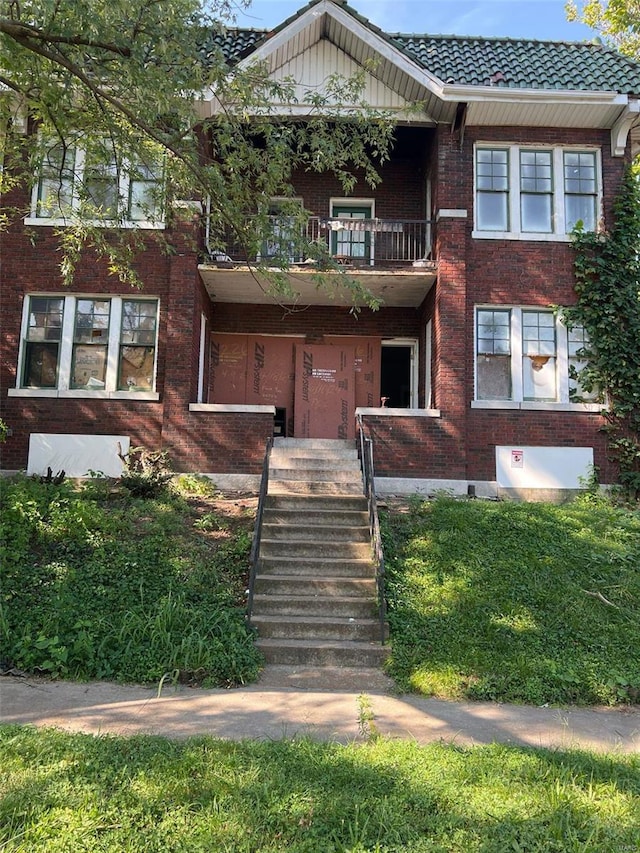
x=536, y=19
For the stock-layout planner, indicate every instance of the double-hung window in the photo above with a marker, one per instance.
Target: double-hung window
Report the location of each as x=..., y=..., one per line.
x=535, y=193
x=527, y=356
x=88, y=346
x=99, y=185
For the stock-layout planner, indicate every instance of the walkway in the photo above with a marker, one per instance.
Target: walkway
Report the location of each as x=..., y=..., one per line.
x=273, y=709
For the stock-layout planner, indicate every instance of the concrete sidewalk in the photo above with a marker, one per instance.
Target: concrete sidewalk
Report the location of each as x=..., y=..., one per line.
x=272, y=709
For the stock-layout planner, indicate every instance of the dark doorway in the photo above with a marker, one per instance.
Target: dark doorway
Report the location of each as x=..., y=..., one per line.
x=395, y=376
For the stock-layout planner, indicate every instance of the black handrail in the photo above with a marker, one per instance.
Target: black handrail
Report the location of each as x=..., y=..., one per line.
x=366, y=458
x=257, y=530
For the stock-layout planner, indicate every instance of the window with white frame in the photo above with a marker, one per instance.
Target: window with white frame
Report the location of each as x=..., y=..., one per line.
x=88, y=344
x=535, y=193
x=526, y=355
x=97, y=183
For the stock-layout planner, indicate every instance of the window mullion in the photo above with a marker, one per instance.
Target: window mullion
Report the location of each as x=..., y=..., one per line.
x=562, y=364
x=66, y=343
x=558, y=191
x=514, y=189
x=516, y=354
x=114, y=343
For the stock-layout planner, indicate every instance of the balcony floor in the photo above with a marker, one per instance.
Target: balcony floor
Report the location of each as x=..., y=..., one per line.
x=404, y=287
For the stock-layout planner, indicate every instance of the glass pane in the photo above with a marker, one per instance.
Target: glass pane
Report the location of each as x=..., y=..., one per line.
x=89, y=367
x=135, y=371
x=494, y=332
x=492, y=211
x=101, y=180
x=144, y=201
x=139, y=321
x=536, y=213
x=92, y=321
x=580, y=208
x=539, y=377
x=45, y=319
x=55, y=186
x=494, y=377
x=40, y=365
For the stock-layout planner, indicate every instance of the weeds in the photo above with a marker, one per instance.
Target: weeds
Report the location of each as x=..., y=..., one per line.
x=98, y=584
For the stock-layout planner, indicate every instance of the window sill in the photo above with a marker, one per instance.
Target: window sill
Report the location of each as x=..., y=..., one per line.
x=512, y=235
x=591, y=408
x=383, y=411
x=145, y=396
x=143, y=225
x=232, y=409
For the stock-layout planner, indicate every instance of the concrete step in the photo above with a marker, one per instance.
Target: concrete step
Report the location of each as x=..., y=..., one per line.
x=316, y=628
x=306, y=487
x=311, y=567
x=337, y=504
x=320, y=444
x=314, y=605
x=322, y=652
x=320, y=459
x=299, y=585
x=322, y=474
x=316, y=532
x=313, y=517
x=338, y=551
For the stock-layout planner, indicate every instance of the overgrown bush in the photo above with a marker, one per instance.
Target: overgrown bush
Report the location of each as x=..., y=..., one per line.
x=145, y=473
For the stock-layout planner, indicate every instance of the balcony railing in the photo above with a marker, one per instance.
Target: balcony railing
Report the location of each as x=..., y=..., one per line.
x=350, y=242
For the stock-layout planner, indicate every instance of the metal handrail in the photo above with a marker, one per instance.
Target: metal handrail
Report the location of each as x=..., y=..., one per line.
x=257, y=530
x=366, y=458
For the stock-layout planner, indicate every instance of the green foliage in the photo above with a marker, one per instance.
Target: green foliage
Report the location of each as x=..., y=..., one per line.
x=128, y=80
x=616, y=20
x=97, y=584
x=145, y=473
x=4, y=431
x=607, y=272
x=75, y=792
x=528, y=603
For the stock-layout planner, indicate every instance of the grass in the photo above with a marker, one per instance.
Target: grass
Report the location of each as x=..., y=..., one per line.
x=64, y=792
x=99, y=584
x=528, y=603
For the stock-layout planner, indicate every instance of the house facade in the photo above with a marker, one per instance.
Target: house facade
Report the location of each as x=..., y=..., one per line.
x=462, y=377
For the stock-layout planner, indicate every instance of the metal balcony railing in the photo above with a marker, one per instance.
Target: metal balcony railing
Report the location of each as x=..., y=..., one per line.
x=352, y=242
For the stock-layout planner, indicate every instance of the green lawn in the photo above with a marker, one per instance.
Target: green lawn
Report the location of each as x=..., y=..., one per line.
x=62, y=792
x=515, y=602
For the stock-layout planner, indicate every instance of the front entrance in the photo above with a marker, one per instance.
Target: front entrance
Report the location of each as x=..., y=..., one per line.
x=324, y=401
x=315, y=388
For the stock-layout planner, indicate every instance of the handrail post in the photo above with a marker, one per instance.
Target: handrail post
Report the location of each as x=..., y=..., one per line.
x=257, y=530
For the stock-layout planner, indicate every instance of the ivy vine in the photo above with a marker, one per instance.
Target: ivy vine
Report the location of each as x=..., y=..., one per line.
x=607, y=274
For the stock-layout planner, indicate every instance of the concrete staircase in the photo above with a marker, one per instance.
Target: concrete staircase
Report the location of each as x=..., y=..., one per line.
x=314, y=600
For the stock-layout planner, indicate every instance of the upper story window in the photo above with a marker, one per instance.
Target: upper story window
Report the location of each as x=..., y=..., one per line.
x=88, y=344
x=99, y=185
x=527, y=355
x=535, y=193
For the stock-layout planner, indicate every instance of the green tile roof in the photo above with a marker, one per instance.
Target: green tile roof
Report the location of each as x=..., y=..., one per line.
x=522, y=63
x=468, y=61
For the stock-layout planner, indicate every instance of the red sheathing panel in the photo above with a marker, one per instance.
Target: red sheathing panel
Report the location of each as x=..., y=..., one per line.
x=228, y=368
x=325, y=392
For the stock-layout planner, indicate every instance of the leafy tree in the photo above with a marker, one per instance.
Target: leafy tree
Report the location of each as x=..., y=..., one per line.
x=618, y=21
x=126, y=79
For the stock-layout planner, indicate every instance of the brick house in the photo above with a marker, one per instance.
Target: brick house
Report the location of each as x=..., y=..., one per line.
x=461, y=378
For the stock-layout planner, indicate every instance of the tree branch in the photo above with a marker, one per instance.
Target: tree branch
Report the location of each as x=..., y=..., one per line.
x=23, y=33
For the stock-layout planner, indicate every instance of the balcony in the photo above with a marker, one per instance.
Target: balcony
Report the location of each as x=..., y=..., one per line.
x=388, y=257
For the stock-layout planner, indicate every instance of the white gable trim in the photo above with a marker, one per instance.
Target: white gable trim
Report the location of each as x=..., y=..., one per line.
x=379, y=45
x=621, y=129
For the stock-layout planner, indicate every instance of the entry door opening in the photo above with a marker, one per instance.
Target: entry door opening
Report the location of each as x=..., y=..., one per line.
x=395, y=376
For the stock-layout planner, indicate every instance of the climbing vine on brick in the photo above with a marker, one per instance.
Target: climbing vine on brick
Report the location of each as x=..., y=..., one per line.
x=607, y=272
